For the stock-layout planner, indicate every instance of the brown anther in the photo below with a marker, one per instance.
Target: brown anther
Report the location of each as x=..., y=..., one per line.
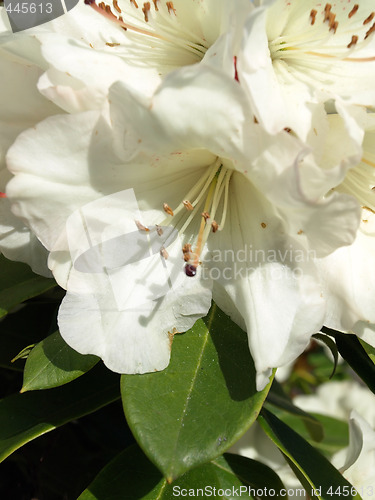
x=313, y=14
x=353, y=41
x=369, y=209
x=287, y=129
x=205, y=215
x=167, y=209
x=188, y=205
x=159, y=230
x=102, y=5
x=156, y=4
x=108, y=11
x=327, y=11
x=300, y=232
x=353, y=11
x=146, y=8
x=214, y=226
x=164, y=253
x=332, y=22
x=186, y=248
x=333, y=27
x=140, y=226
x=171, y=8
x=112, y=44
x=369, y=18
x=115, y=5
x=370, y=31
x=134, y=3
x=264, y=225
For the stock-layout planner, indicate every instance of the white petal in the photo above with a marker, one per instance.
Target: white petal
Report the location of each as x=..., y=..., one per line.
x=349, y=279
x=131, y=339
x=268, y=277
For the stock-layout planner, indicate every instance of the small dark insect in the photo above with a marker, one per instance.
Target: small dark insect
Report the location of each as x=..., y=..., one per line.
x=190, y=270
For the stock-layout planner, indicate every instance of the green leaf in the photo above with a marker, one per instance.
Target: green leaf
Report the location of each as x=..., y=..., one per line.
x=53, y=363
x=336, y=432
x=331, y=346
x=313, y=425
x=24, y=417
x=130, y=475
x=18, y=283
x=18, y=330
x=369, y=349
x=315, y=472
x=201, y=404
x=355, y=355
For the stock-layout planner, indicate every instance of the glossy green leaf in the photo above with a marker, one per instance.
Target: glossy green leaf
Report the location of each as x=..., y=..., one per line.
x=336, y=432
x=132, y=476
x=18, y=283
x=331, y=346
x=355, y=355
x=315, y=472
x=53, y=363
x=201, y=404
x=313, y=425
x=369, y=349
x=23, y=328
x=24, y=417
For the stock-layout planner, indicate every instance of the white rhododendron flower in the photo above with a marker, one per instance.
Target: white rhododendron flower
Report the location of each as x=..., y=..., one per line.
x=348, y=274
x=72, y=61
x=205, y=168
x=298, y=55
x=357, y=462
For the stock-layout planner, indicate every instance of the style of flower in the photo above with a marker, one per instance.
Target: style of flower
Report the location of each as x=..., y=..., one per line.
x=205, y=168
x=297, y=56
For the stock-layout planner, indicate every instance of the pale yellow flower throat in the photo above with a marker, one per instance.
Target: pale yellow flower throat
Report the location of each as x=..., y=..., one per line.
x=206, y=199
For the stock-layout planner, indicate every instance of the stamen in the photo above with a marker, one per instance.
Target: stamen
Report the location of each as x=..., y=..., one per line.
x=353, y=41
x=327, y=12
x=188, y=205
x=156, y=5
x=369, y=19
x=159, y=230
x=115, y=5
x=371, y=30
x=140, y=226
x=164, y=253
x=214, y=226
x=171, y=8
x=353, y=11
x=146, y=8
x=168, y=209
x=313, y=14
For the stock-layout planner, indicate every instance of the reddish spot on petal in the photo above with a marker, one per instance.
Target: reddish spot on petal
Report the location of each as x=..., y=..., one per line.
x=2, y=195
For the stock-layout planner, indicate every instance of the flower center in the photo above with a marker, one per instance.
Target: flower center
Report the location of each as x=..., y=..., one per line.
x=325, y=33
x=207, y=199
x=360, y=182
x=156, y=21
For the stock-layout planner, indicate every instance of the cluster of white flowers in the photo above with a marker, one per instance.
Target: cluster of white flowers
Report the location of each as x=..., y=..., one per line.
x=237, y=124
